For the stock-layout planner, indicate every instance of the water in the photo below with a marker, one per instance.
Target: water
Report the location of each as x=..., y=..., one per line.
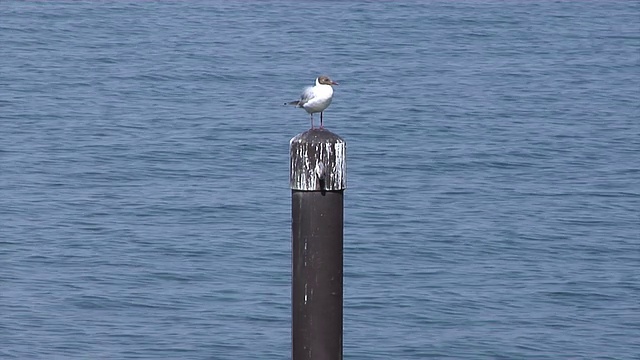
x=493, y=177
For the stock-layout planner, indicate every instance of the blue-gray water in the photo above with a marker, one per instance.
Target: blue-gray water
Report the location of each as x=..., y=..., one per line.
x=492, y=209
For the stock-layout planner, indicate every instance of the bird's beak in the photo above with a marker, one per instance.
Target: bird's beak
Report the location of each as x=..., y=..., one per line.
x=333, y=82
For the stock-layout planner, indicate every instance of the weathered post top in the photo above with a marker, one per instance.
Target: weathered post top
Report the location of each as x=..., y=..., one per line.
x=318, y=161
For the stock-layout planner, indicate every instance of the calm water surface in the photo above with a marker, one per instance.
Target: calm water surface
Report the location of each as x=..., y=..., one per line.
x=492, y=209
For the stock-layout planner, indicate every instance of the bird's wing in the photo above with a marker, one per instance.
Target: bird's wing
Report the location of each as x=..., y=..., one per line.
x=306, y=95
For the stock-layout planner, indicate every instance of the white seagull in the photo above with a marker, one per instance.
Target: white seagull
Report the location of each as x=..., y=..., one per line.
x=317, y=98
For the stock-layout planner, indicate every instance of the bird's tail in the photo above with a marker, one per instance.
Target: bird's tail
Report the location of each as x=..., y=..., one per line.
x=296, y=103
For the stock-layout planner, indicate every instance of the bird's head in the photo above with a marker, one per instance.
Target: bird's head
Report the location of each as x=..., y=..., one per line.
x=324, y=80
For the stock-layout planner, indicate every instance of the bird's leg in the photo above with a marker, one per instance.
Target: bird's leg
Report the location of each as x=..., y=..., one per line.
x=311, y=121
x=321, y=125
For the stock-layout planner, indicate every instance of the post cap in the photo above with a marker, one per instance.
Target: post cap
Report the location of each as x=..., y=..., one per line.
x=318, y=161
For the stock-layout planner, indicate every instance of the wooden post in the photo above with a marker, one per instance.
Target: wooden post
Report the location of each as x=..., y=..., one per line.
x=318, y=180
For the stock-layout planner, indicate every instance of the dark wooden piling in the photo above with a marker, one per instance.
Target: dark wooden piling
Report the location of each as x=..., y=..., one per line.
x=318, y=180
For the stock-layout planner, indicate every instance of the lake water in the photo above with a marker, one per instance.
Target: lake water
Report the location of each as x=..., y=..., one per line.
x=492, y=209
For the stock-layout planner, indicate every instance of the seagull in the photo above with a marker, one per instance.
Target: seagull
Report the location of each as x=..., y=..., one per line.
x=317, y=98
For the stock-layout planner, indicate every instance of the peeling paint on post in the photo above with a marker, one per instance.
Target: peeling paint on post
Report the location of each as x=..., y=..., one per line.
x=316, y=149
x=318, y=180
